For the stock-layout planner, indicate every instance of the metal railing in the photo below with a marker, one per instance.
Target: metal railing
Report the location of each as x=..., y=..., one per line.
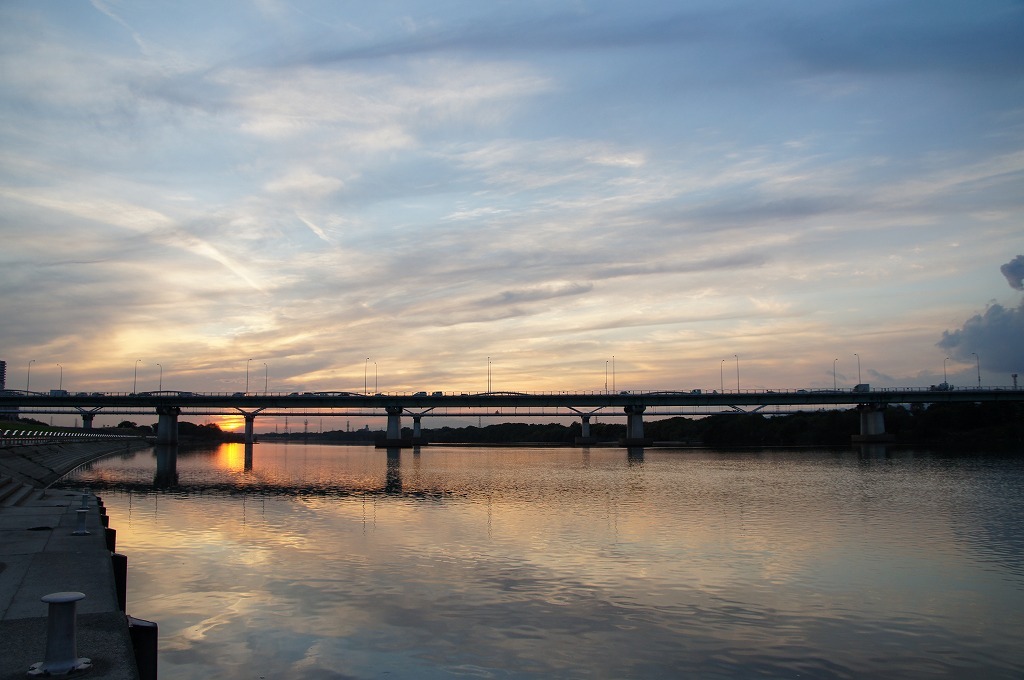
x=35, y=437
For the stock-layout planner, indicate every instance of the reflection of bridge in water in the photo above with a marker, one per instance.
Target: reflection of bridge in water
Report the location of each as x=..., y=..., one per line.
x=165, y=477
x=633, y=405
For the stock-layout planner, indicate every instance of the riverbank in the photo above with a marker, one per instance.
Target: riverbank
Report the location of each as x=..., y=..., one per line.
x=40, y=465
x=43, y=551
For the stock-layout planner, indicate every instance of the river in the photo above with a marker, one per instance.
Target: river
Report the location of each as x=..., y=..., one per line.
x=315, y=561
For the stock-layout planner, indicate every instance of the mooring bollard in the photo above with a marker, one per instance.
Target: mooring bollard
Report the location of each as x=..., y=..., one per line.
x=80, y=530
x=61, y=646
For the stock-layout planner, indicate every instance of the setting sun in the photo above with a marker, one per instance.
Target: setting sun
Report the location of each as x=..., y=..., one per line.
x=231, y=423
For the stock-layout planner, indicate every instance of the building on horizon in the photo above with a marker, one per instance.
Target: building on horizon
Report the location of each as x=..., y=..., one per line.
x=6, y=412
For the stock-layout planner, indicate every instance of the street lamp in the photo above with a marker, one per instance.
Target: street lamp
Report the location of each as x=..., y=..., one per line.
x=365, y=363
x=375, y=377
x=60, y=385
x=160, y=387
x=247, y=375
x=266, y=377
x=605, y=375
x=977, y=359
x=721, y=375
x=613, y=373
x=135, y=380
x=28, y=374
x=488, y=374
x=858, y=368
x=737, y=372
x=944, y=379
x=834, y=385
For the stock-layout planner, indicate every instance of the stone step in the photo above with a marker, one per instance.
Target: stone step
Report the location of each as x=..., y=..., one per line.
x=7, y=487
x=21, y=494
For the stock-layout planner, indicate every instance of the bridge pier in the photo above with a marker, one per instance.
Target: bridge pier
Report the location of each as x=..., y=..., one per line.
x=87, y=419
x=167, y=425
x=585, y=439
x=872, y=424
x=393, y=436
x=417, y=431
x=635, y=426
x=250, y=422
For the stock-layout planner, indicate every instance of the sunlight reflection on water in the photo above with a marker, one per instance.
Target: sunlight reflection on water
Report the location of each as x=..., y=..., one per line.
x=318, y=561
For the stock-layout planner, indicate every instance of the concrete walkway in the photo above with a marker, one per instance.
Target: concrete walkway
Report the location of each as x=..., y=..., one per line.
x=39, y=554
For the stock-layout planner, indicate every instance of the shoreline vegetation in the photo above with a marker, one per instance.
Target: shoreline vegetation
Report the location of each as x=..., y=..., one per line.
x=984, y=425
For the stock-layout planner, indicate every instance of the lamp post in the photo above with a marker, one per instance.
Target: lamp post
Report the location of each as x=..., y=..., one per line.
x=266, y=377
x=613, y=373
x=721, y=376
x=375, y=377
x=859, y=381
x=28, y=374
x=60, y=384
x=135, y=379
x=488, y=374
x=247, y=375
x=605, y=375
x=944, y=379
x=835, y=386
x=977, y=359
x=737, y=372
x=160, y=387
x=365, y=364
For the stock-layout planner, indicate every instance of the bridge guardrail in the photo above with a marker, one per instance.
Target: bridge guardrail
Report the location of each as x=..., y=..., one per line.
x=34, y=437
x=327, y=394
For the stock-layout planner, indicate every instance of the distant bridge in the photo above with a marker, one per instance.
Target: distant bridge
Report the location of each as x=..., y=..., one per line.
x=168, y=405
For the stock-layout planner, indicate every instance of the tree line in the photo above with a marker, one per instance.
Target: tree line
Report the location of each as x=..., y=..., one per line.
x=988, y=424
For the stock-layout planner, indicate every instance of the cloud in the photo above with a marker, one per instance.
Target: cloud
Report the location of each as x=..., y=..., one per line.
x=1014, y=272
x=539, y=293
x=304, y=182
x=994, y=336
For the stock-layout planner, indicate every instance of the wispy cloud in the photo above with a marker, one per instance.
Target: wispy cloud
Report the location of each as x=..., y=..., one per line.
x=558, y=184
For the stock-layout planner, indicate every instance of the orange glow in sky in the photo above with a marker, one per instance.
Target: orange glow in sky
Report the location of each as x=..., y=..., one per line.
x=231, y=423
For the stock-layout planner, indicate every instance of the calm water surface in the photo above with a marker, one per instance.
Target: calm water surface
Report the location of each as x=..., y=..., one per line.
x=310, y=561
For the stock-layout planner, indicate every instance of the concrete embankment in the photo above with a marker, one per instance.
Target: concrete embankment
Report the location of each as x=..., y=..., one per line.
x=43, y=550
x=40, y=465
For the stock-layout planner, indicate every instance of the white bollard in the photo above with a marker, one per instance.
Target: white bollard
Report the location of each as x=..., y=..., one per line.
x=61, y=645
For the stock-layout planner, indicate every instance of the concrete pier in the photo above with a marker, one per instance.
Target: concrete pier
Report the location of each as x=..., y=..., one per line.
x=167, y=425
x=635, y=427
x=872, y=425
x=40, y=555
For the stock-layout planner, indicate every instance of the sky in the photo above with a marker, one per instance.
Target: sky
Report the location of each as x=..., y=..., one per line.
x=558, y=195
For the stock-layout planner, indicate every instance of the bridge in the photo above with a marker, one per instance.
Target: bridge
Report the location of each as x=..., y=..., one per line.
x=633, y=405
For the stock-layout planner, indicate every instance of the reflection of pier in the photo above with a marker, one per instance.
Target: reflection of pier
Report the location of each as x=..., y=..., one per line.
x=166, y=466
x=393, y=476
